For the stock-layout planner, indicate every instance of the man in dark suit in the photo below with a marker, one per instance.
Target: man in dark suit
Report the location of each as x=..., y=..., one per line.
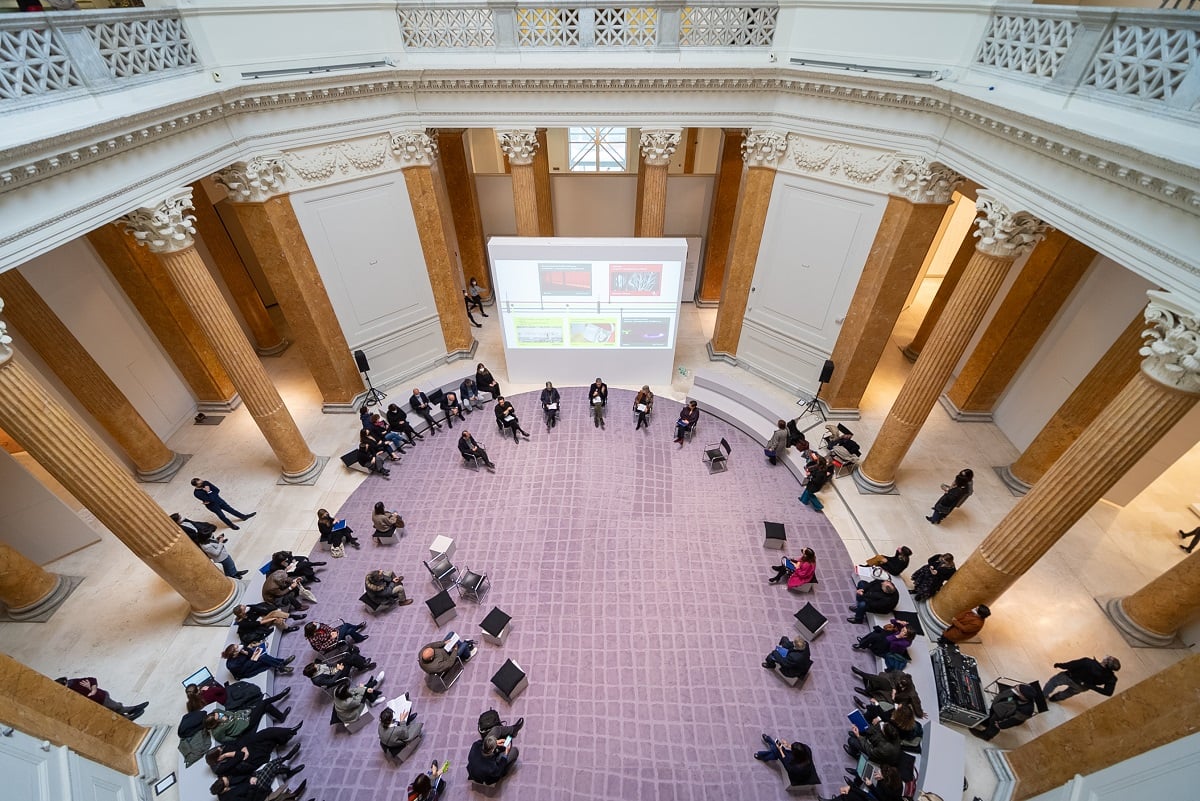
x=598, y=398
x=420, y=404
x=467, y=446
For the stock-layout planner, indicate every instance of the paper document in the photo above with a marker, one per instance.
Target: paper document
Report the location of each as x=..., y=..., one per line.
x=452, y=642
x=400, y=707
x=597, y=399
x=552, y=406
x=641, y=407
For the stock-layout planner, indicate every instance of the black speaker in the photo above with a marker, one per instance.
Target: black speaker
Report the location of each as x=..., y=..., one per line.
x=364, y=366
x=826, y=371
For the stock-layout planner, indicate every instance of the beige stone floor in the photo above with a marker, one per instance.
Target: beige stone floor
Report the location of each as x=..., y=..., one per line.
x=123, y=624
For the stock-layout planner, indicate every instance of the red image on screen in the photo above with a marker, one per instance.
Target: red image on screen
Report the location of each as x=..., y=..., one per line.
x=640, y=280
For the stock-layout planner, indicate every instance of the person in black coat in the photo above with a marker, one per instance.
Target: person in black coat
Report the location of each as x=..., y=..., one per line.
x=954, y=496
x=796, y=758
x=484, y=381
x=1081, y=675
x=892, y=565
x=419, y=402
x=467, y=446
x=489, y=760
x=506, y=416
x=792, y=658
x=550, y=397
x=598, y=391
x=877, y=597
x=397, y=421
x=1012, y=706
x=930, y=577
x=452, y=408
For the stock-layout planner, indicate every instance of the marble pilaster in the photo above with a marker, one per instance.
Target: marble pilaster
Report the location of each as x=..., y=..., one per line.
x=945, y=291
x=657, y=147
x=520, y=148
x=464, y=206
x=541, y=184
x=721, y=217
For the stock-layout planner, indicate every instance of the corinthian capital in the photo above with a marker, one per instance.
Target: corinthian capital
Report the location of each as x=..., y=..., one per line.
x=763, y=148
x=1005, y=233
x=253, y=181
x=6, y=351
x=1172, y=341
x=519, y=145
x=414, y=148
x=923, y=181
x=165, y=227
x=658, y=145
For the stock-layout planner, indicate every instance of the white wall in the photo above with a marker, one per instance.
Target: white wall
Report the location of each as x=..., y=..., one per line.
x=1171, y=771
x=30, y=507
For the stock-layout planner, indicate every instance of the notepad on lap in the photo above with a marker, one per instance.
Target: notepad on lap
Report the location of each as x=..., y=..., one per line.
x=338, y=525
x=641, y=407
x=552, y=406
x=859, y=720
x=452, y=642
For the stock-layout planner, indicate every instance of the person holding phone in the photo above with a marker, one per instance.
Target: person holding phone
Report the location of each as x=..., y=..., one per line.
x=491, y=759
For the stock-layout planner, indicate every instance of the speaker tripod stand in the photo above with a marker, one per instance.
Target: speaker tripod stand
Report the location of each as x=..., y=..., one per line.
x=812, y=405
x=374, y=397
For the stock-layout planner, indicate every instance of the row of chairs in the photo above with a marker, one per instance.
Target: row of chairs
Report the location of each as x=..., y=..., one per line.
x=445, y=575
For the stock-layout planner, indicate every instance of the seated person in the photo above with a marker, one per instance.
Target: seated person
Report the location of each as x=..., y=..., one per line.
x=1012, y=706
x=598, y=399
x=386, y=589
x=891, y=638
x=804, y=570
x=434, y=659
x=380, y=429
x=885, y=784
x=468, y=447
x=231, y=726
x=687, y=420
x=326, y=675
x=506, y=417
x=486, y=382
x=837, y=435
x=880, y=743
x=334, y=537
x=88, y=688
x=373, y=454
x=419, y=403
x=796, y=437
x=930, y=577
x=300, y=567
x=901, y=716
x=894, y=686
x=792, y=658
x=643, y=404
x=252, y=752
x=324, y=639
x=550, y=398
x=395, y=734
x=877, y=597
x=386, y=523
x=796, y=758
x=892, y=565
x=429, y=785
x=965, y=625
x=255, y=622
x=451, y=406
x=201, y=695
x=470, y=394
x=253, y=790
x=397, y=420
x=244, y=662
x=350, y=702
x=490, y=759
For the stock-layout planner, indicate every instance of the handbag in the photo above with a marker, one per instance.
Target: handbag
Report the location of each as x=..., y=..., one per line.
x=337, y=551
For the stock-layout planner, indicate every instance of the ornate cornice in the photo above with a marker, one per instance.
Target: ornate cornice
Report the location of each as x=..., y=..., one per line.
x=350, y=158
x=1172, y=341
x=1002, y=232
x=923, y=181
x=414, y=148
x=6, y=350
x=520, y=145
x=763, y=147
x=857, y=165
x=167, y=225
x=658, y=145
x=254, y=181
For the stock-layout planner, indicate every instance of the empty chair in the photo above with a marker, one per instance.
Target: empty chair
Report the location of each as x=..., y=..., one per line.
x=716, y=460
x=442, y=571
x=473, y=585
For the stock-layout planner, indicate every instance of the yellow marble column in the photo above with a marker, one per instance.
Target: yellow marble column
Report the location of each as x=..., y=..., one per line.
x=26, y=590
x=42, y=708
x=945, y=291
x=1156, y=612
x=520, y=147
x=720, y=218
x=1045, y=282
x=73, y=456
x=166, y=229
x=271, y=226
x=910, y=223
x=267, y=339
x=156, y=299
x=1003, y=236
x=541, y=183
x=464, y=206
x=416, y=151
x=1153, y=401
x=657, y=148
x=153, y=461
x=761, y=150
x=1151, y=713
x=1102, y=383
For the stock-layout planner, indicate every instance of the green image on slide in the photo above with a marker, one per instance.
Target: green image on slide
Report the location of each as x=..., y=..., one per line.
x=594, y=333
x=539, y=332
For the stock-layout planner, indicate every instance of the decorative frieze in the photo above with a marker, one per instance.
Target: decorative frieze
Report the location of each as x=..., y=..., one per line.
x=348, y=158
x=658, y=145
x=1002, y=232
x=836, y=161
x=763, y=148
x=414, y=148
x=167, y=226
x=519, y=145
x=1172, y=340
x=253, y=181
x=920, y=180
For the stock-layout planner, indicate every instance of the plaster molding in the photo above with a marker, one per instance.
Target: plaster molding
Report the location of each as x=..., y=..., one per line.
x=1172, y=341
x=167, y=225
x=764, y=147
x=920, y=180
x=851, y=164
x=519, y=145
x=254, y=181
x=6, y=350
x=658, y=145
x=336, y=161
x=414, y=147
x=1002, y=232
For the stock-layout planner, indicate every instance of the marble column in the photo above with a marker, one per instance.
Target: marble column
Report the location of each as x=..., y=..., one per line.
x=1156, y=612
x=1102, y=383
x=690, y=141
x=166, y=228
x=68, y=452
x=720, y=218
x=416, y=151
x=271, y=226
x=464, y=206
x=152, y=460
x=520, y=147
x=1151, y=713
x=761, y=151
x=922, y=192
x=657, y=147
x=541, y=182
x=42, y=708
x=212, y=232
x=26, y=590
x=1153, y=401
x=1044, y=284
x=1003, y=235
x=156, y=299
x=945, y=291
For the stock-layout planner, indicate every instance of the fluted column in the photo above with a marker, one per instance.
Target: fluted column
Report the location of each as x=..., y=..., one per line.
x=1153, y=401
x=167, y=230
x=1003, y=236
x=945, y=291
x=73, y=456
x=1151, y=713
x=156, y=299
x=1102, y=383
x=1045, y=282
x=913, y=216
x=520, y=147
x=26, y=590
x=274, y=232
x=211, y=230
x=761, y=150
x=69, y=360
x=45, y=709
x=1156, y=612
x=657, y=148
x=416, y=152
x=720, y=218
x=464, y=206
x=541, y=184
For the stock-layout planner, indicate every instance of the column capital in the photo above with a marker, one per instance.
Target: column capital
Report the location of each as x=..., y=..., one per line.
x=763, y=147
x=920, y=180
x=520, y=145
x=414, y=147
x=1002, y=232
x=1171, y=343
x=658, y=145
x=6, y=350
x=254, y=181
x=165, y=227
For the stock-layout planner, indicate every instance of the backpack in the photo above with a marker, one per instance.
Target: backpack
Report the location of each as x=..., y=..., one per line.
x=488, y=721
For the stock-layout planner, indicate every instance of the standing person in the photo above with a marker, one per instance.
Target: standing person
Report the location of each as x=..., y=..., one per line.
x=469, y=394
x=966, y=625
x=506, y=415
x=452, y=408
x=598, y=398
x=818, y=474
x=214, y=549
x=467, y=303
x=420, y=405
x=550, y=399
x=474, y=295
x=778, y=442
x=1081, y=675
x=1194, y=534
x=397, y=421
x=386, y=523
x=687, y=420
x=467, y=446
x=955, y=495
x=88, y=688
x=209, y=494
x=643, y=404
x=484, y=382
